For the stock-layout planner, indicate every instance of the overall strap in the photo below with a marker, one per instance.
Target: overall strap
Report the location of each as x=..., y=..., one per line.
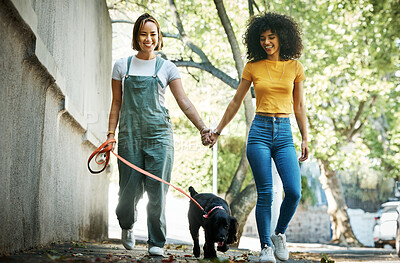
x=128, y=65
x=159, y=63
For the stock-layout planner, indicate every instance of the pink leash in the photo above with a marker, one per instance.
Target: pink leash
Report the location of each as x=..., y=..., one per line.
x=106, y=148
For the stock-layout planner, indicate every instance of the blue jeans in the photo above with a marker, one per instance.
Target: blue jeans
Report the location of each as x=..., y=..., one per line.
x=271, y=137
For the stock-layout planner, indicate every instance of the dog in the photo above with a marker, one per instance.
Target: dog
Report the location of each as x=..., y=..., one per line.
x=218, y=224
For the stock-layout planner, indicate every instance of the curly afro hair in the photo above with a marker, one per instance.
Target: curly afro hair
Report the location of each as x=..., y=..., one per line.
x=288, y=31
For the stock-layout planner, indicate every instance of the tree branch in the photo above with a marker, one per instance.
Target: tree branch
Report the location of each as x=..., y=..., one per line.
x=233, y=192
x=208, y=67
x=354, y=130
x=170, y=35
x=122, y=21
x=183, y=36
x=350, y=128
x=219, y=4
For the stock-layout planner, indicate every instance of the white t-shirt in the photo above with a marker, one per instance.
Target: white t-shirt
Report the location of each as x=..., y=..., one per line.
x=139, y=67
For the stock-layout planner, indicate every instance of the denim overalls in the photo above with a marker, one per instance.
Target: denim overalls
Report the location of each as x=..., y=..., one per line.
x=145, y=139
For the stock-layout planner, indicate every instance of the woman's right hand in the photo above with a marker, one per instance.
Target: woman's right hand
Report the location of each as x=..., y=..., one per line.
x=111, y=136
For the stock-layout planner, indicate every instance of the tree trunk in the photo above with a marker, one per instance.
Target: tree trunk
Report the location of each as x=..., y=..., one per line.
x=241, y=207
x=241, y=203
x=342, y=232
x=240, y=174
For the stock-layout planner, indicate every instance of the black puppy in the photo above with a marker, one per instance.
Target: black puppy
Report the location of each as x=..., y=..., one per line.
x=219, y=226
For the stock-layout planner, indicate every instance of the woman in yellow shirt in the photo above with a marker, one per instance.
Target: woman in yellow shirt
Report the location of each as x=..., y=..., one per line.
x=273, y=44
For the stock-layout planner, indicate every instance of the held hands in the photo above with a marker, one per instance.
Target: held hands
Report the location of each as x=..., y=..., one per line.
x=209, y=137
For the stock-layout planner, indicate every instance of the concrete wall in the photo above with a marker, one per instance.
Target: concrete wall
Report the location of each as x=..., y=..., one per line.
x=55, y=64
x=312, y=225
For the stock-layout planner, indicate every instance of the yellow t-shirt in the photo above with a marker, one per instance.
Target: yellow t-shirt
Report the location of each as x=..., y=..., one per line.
x=273, y=83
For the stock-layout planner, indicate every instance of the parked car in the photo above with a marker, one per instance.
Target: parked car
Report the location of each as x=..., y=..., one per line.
x=385, y=227
x=398, y=231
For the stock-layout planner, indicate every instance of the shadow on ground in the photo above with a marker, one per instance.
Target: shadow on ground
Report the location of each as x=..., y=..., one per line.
x=112, y=251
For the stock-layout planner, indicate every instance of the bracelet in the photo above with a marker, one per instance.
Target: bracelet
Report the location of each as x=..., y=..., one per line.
x=216, y=132
x=111, y=132
x=203, y=129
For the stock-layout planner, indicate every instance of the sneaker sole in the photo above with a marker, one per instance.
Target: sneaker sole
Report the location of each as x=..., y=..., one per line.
x=281, y=259
x=128, y=248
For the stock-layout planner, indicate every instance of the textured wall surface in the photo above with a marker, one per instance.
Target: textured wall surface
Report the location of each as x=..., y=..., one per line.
x=312, y=225
x=55, y=93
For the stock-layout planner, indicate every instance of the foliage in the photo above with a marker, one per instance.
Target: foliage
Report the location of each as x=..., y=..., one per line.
x=193, y=162
x=383, y=138
x=307, y=194
x=347, y=59
x=209, y=95
x=230, y=150
x=325, y=259
x=351, y=56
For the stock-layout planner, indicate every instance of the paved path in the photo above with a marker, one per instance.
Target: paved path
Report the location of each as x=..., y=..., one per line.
x=113, y=251
x=179, y=249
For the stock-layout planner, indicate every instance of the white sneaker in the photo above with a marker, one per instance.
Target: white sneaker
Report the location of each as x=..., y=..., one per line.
x=281, y=251
x=128, y=238
x=267, y=255
x=156, y=251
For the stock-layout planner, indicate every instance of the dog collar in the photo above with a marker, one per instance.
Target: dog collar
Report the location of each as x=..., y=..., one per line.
x=215, y=207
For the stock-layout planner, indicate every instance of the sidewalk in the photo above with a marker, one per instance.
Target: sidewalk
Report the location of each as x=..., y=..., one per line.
x=177, y=221
x=179, y=244
x=178, y=238
x=112, y=251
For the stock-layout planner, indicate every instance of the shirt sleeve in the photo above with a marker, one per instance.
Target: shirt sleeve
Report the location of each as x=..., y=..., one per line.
x=246, y=74
x=300, y=76
x=119, y=69
x=173, y=72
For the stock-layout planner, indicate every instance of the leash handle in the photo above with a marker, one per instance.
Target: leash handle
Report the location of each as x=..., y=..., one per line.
x=106, y=148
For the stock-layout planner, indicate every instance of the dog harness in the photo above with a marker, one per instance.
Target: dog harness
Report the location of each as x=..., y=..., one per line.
x=215, y=207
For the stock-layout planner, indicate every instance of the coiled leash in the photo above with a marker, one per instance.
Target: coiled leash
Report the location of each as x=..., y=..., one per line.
x=106, y=148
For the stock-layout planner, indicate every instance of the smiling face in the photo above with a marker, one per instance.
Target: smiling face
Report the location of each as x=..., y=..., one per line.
x=148, y=37
x=270, y=43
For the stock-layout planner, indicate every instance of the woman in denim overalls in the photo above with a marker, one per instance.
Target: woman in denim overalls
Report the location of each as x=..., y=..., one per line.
x=145, y=130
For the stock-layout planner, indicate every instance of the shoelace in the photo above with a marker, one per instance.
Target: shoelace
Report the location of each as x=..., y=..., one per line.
x=266, y=251
x=280, y=241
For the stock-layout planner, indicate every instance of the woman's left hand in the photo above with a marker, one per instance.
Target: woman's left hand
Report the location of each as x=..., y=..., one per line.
x=304, y=151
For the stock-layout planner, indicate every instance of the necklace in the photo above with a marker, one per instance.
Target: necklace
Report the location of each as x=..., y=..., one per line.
x=283, y=71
